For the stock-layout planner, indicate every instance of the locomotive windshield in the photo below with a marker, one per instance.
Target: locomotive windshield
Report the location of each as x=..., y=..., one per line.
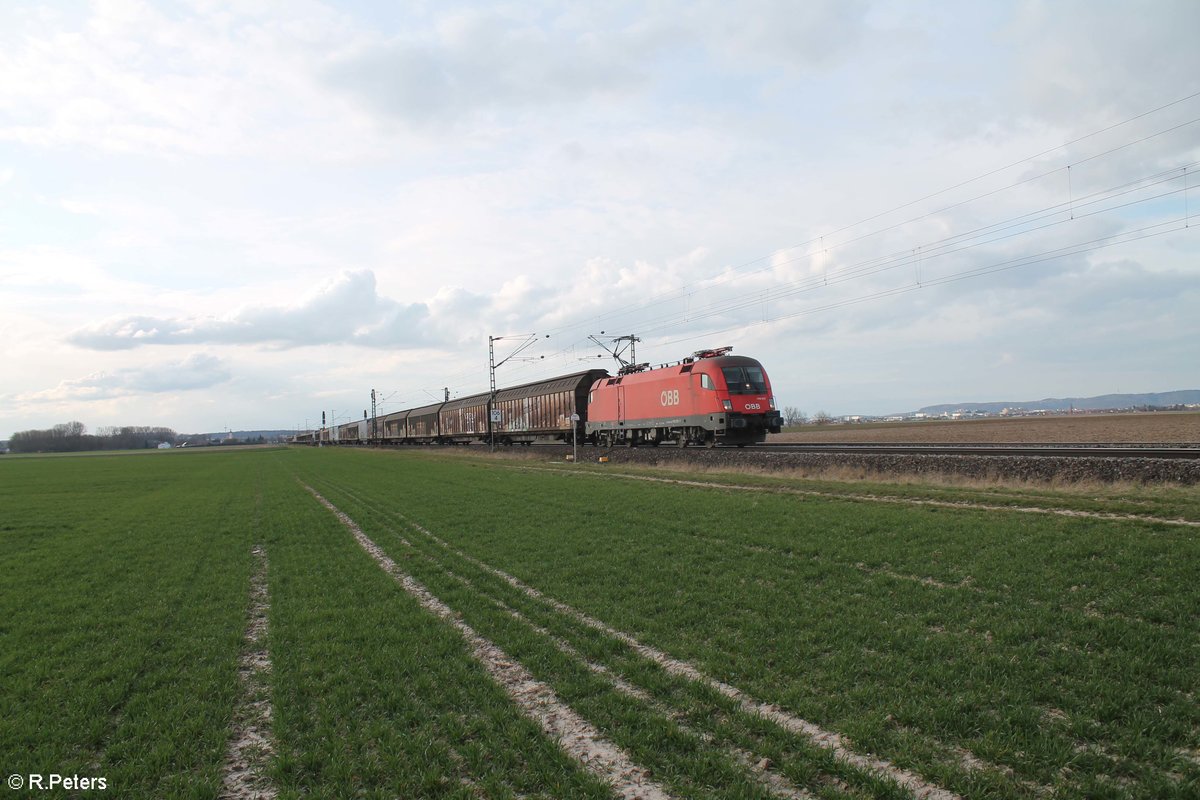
x=745, y=380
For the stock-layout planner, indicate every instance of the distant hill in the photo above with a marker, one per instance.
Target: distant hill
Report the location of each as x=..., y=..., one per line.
x=1104, y=402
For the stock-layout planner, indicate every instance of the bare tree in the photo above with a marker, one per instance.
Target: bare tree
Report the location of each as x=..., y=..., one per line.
x=793, y=416
x=822, y=418
x=72, y=437
x=62, y=438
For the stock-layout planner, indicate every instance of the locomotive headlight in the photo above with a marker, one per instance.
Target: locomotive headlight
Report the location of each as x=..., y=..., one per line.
x=772, y=402
x=728, y=405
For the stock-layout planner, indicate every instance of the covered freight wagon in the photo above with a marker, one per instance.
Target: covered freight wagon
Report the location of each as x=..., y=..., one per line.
x=352, y=432
x=423, y=424
x=464, y=420
x=543, y=410
x=392, y=427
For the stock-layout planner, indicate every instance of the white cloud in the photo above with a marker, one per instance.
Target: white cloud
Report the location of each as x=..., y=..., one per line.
x=474, y=62
x=1140, y=54
x=800, y=35
x=197, y=371
x=138, y=78
x=345, y=310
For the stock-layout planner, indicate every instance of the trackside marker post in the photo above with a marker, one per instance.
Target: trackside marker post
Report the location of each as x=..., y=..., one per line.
x=575, y=438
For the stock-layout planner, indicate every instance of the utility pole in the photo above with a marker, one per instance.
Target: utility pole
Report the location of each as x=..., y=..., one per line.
x=374, y=419
x=526, y=340
x=492, y=390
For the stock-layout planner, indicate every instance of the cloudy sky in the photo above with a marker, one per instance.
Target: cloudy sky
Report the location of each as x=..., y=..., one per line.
x=239, y=214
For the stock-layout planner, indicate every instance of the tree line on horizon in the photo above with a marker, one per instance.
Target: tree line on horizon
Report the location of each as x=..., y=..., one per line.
x=71, y=437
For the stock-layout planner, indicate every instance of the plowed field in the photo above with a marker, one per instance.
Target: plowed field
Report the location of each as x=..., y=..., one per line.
x=1162, y=427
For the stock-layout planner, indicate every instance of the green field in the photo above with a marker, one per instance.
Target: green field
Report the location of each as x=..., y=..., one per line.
x=747, y=637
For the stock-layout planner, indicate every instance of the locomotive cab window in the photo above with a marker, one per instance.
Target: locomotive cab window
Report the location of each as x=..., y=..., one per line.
x=706, y=381
x=745, y=380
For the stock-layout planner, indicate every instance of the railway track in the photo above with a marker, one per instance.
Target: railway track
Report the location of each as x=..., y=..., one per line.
x=1065, y=462
x=1068, y=462
x=1184, y=451
x=1059, y=450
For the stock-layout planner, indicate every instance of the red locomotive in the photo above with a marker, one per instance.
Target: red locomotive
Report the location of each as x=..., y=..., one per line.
x=711, y=398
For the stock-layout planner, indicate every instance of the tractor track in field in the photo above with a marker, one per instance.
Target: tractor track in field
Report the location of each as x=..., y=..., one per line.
x=250, y=747
x=830, y=741
x=757, y=766
x=575, y=735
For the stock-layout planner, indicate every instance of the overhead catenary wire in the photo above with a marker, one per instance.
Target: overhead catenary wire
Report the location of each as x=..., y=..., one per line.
x=1147, y=232
x=630, y=310
x=905, y=258
x=956, y=243
x=730, y=275
x=925, y=252
x=1030, y=179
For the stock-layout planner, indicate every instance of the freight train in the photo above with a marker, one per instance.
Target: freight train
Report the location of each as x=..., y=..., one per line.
x=707, y=399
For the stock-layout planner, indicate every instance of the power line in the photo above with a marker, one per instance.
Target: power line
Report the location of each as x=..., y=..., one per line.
x=1146, y=232
x=929, y=251
x=1020, y=225
x=820, y=239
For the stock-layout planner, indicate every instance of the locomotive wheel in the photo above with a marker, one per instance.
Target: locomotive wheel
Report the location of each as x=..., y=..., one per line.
x=710, y=442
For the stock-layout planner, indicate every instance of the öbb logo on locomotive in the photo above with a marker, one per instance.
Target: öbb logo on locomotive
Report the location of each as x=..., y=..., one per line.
x=713, y=398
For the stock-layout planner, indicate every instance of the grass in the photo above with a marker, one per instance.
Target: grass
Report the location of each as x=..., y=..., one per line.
x=122, y=619
x=1060, y=649
x=1119, y=498
x=121, y=616
x=373, y=696
x=992, y=653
